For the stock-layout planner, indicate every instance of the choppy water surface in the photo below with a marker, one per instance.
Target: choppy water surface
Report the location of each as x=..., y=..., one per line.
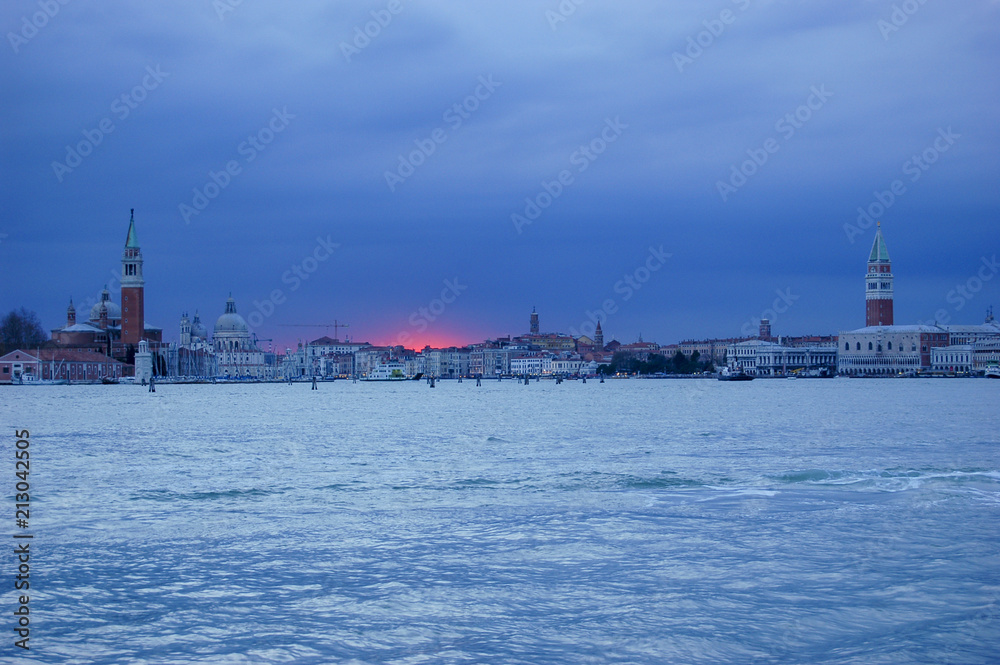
x=842, y=521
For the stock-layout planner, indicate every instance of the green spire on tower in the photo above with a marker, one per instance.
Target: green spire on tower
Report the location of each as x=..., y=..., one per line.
x=132, y=241
x=879, y=250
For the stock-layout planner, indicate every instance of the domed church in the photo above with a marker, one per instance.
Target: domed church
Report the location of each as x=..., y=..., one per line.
x=235, y=347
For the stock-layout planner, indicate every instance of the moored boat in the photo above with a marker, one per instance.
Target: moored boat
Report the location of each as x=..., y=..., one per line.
x=738, y=375
x=390, y=371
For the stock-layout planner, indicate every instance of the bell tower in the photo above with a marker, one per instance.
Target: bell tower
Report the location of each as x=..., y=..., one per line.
x=534, y=321
x=878, y=284
x=133, y=307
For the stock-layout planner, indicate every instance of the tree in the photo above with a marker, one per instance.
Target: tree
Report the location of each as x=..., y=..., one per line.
x=21, y=329
x=680, y=362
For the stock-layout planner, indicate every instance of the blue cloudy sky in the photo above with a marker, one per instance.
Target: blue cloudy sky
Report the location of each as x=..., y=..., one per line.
x=399, y=167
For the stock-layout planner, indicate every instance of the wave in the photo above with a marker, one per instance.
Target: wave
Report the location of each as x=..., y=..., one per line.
x=168, y=495
x=889, y=479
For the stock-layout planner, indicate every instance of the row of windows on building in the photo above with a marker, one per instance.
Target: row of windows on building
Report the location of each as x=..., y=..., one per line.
x=875, y=360
x=871, y=347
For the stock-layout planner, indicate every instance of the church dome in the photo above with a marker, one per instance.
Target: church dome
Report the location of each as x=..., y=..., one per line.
x=114, y=310
x=198, y=328
x=230, y=322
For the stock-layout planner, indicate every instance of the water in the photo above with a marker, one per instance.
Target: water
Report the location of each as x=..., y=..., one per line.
x=842, y=521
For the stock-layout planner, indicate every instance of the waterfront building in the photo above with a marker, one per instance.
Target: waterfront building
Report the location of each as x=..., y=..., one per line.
x=884, y=349
x=368, y=358
x=338, y=365
x=238, y=355
x=60, y=364
x=888, y=350
x=568, y=365
x=985, y=354
x=325, y=357
x=451, y=362
x=490, y=359
x=325, y=346
x=758, y=357
x=533, y=363
x=954, y=358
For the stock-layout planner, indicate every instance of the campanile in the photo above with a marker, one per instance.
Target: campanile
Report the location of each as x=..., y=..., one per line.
x=878, y=284
x=133, y=310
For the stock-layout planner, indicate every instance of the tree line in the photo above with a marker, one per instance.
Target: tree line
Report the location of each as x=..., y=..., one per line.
x=21, y=329
x=657, y=364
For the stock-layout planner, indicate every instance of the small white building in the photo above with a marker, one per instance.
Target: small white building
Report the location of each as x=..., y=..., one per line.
x=762, y=358
x=566, y=366
x=954, y=358
x=534, y=364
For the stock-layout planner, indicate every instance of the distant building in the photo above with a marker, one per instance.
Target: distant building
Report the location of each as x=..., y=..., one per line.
x=888, y=350
x=195, y=356
x=955, y=358
x=238, y=355
x=60, y=364
x=764, y=331
x=760, y=358
x=117, y=329
x=491, y=359
x=884, y=349
x=985, y=354
x=87, y=334
x=547, y=342
x=639, y=350
x=568, y=366
x=531, y=363
x=451, y=362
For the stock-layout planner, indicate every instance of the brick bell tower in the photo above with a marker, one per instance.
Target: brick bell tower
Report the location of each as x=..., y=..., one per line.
x=878, y=284
x=133, y=307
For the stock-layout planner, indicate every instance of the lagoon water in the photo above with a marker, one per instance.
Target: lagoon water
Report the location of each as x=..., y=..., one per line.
x=685, y=521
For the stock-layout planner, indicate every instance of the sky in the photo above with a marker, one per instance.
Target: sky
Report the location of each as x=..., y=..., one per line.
x=429, y=172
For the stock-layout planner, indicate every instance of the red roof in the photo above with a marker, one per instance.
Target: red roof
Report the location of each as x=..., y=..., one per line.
x=62, y=355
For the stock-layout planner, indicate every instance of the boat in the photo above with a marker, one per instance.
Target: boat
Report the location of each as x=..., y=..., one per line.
x=387, y=372
x=816, y=373
x=739, y=375
x=993, y=371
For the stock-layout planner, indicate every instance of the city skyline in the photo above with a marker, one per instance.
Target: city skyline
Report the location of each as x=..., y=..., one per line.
x=744, y=149
x=111, y=311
